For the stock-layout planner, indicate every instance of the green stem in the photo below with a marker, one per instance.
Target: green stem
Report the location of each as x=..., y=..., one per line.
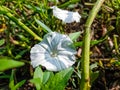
x=116, y=44
x=85, y=80
x=4, y=10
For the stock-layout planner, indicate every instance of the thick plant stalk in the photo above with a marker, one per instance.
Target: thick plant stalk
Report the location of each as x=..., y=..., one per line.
x=4, y=10
x=85, y=80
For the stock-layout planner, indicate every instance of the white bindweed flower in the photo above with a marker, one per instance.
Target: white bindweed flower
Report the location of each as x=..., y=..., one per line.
x=55, y=52
x=66, y=16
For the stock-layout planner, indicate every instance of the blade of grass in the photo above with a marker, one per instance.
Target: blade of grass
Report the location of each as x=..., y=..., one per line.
x=68, y=3
x=45, y=28
x=85, y=80
x=116, y=44
x=4, y=10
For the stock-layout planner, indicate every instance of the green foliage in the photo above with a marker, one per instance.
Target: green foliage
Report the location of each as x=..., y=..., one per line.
x=74, y=36
x=3, y=75
x=18, y=85
x=59, y=80
x=20, y=54
x=92, y=42
x=45, y=28
x=117, y=63
x=68, y=3
x=46, y=76
x=116, y=4
x=40, y=78
x=8, y=63
x=37, y=78
x=93, y=75
x=48, y=81
x=2, y=41
x=12, y=85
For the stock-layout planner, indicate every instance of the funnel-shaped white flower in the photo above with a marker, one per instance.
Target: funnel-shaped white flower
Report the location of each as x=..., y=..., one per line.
x=55, y=52
x=66, y=16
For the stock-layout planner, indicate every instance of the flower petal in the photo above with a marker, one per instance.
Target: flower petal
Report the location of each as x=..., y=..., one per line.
x=38, y=54
x=54, y=64
x=66, y=16
x=67, y=60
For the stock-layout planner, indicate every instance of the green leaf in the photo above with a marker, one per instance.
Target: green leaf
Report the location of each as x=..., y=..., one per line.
x=64, y=76
x=37, y=78
x=94, y=65
x=93, y=76
x=11, y=84
x=45, y=28
x=67, y=3
x=117, y=63
x=2, y=41
x=8, y=63
x=19, y=84
x=35, y=8
x=5, y=76
x=38, y=73
x=74, y=36
x=23, y=38
x=21, y=53
x=95, y=42
x=78, y=44
x=92, y=43
x=37, y=83
x=46, y=76
x=59, y=80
